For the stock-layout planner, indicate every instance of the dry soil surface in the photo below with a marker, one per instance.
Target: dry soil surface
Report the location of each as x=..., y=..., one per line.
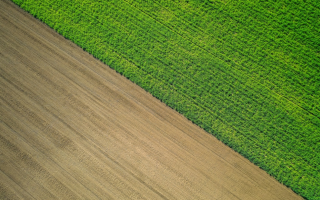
x=72, y=128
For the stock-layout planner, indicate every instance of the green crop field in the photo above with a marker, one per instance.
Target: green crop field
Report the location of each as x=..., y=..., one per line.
x=247, y=72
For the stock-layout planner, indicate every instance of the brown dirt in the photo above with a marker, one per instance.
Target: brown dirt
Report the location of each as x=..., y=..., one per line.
x=72, y=128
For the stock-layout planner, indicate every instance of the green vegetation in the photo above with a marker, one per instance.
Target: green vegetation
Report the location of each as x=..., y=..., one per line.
x=247, y=72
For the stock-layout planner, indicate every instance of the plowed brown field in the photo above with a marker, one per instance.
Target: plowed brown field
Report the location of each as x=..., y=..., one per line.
x=72, y=128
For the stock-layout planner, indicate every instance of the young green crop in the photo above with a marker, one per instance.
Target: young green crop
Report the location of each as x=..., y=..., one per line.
x=246, y=72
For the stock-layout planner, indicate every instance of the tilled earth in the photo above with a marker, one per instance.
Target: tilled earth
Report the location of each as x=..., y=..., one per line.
x=72, y=128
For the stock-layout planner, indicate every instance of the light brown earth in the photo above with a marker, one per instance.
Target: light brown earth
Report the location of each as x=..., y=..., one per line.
x=72, y=128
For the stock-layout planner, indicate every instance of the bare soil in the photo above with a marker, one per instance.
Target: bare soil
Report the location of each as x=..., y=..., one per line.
x=72, y=128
